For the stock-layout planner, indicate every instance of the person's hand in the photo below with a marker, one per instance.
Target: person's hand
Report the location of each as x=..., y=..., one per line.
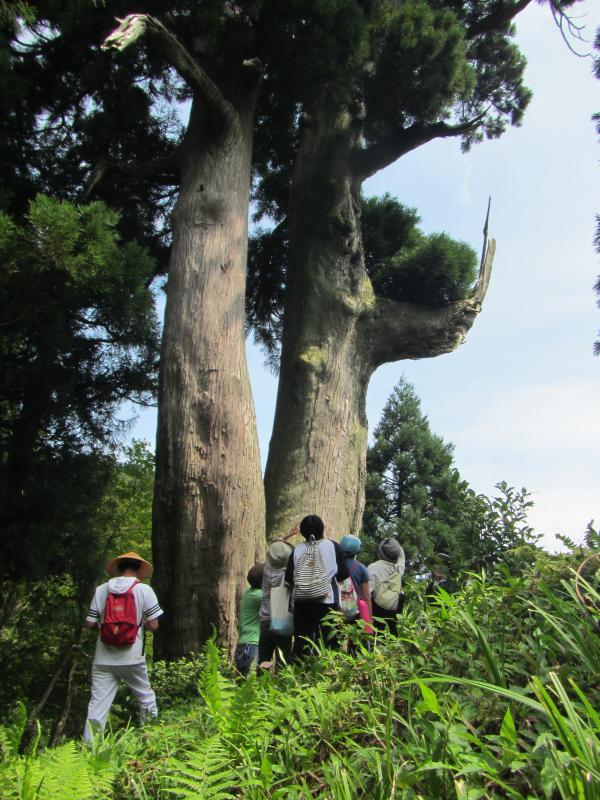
x=292, y=532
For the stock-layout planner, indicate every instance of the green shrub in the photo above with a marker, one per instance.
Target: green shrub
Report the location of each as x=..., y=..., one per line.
x=489, y=693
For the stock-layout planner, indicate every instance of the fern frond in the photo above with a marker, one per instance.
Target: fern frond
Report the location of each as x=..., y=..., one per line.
x=312, y=708
x=214, y=688
x=12, y=732
x=62, y=773
x=250, y=716
x=206, y=775
x=65, y=774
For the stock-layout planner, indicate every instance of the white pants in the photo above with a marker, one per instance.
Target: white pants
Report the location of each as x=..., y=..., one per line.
x=105, y=682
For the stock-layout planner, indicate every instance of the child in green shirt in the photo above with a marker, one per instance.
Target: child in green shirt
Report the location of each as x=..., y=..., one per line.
x=249, y=623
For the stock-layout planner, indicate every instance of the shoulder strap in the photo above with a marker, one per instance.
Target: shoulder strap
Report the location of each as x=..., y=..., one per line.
x=354, y=566
x=127, y=591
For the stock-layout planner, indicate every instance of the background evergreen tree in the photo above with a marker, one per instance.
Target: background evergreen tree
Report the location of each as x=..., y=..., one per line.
x=77, y=120
x=78, y=336
x=415, y=492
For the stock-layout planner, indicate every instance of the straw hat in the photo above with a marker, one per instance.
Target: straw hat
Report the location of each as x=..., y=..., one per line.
x=145, y=570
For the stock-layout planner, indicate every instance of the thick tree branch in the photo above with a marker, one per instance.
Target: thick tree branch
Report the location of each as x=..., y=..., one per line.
x=135, y=25
x=498, y=18
x=397, y=330
x=381, y=154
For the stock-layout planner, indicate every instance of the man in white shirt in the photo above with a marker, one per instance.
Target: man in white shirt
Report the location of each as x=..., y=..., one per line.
x=127, y=663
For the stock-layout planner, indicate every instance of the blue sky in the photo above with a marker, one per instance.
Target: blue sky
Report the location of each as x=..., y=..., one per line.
x=520, y=399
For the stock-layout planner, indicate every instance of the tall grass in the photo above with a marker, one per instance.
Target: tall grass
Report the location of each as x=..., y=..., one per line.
x=492, y=692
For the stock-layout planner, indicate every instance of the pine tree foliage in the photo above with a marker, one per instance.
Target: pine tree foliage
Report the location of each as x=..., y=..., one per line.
x=73, y=113
x=406, y=265
x=78, y=336
x=406, y=73
x=413, y=490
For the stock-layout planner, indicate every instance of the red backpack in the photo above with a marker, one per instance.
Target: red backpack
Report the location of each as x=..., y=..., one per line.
x=120, y=627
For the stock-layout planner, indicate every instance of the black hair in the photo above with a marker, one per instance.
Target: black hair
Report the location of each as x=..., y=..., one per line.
x=312, y=526
x=128, y=563
x=255, y=576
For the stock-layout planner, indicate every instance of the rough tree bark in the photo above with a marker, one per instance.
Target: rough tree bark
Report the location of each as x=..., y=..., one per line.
x=208, y=515
x=208, y=504
x=337, y=331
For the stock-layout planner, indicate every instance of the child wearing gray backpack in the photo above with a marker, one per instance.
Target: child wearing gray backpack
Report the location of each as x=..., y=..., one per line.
x=311, y=571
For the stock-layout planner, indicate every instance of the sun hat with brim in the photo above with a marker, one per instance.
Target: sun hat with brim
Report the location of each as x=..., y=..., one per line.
x=389, y=550
x=278, y=554
x=145, y=571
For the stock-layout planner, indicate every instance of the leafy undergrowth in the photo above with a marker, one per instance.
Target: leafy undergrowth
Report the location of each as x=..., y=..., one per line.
x=488, y=693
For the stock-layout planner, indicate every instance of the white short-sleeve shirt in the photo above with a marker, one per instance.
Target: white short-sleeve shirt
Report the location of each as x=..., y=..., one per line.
x=147, y=608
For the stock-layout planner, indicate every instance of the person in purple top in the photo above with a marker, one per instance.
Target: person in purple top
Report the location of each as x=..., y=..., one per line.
x=278, y=554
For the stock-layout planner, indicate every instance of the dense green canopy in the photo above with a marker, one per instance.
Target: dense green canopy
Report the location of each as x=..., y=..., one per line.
x=406, y=73
x=78, y=336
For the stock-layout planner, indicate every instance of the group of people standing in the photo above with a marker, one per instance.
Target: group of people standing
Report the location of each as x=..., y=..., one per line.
x=316, y=576
x=378, y=586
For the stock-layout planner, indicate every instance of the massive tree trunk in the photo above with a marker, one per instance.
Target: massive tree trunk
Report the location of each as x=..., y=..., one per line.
x=208, y=513
x=209, y=504
x=314, y=464
x=336, y=333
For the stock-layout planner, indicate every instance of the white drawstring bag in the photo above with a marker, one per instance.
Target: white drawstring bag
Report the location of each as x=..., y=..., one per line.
x=311, y=581
x=282, y=621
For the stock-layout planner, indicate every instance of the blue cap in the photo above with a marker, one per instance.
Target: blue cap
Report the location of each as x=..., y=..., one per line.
x=350, y=545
